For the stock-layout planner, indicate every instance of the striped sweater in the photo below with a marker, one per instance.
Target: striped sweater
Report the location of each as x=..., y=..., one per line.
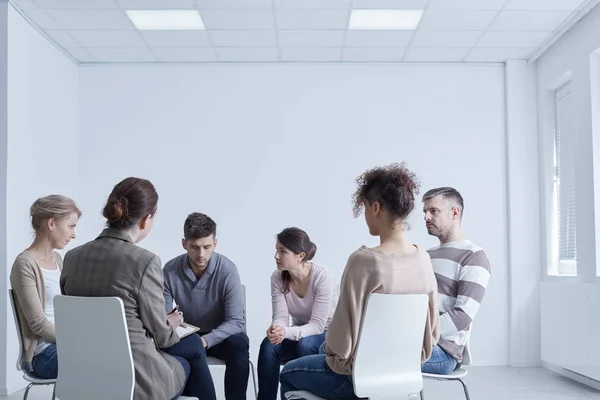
x=462, y=271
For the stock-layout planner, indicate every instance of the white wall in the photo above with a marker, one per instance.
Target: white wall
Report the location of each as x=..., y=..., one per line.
x=3, y=175
x=523, y=215
x=262, y=147
x=43, y=147
x=570, y=326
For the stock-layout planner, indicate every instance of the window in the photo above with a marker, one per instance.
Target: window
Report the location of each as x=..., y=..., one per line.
x=564, y=252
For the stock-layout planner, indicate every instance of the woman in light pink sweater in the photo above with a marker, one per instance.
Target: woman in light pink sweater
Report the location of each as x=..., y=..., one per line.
x=303, y=291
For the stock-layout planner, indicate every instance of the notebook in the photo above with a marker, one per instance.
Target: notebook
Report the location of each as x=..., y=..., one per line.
x=186, y=329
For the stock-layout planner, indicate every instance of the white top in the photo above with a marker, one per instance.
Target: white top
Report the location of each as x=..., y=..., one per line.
x=52, y=286
x=310, y=314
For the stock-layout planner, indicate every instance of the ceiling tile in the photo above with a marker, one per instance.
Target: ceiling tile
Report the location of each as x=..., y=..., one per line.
x=122, y=55
x=91, y=20
x=42, y=19
x=497, y=55
x=185, y=55
x=247, y=54
x=367, y=54
x=234, y=4
x=378, y=38
x=303, y=19
x=318, y=54
x=157, y=4
x=425, y=38
x=529, y=20
x=466, y=4
x=435, y=55
x=238, y=19
x=314, y=38
x=81, y=55
x=243, y=38
x=389, y=4
x=176, y=38
x=77, y=4
x=312, y=4
x=110, y=39
x=462, y=20
x=557, y=5
x=25, y=5
x=62, y=38
x=515, y=39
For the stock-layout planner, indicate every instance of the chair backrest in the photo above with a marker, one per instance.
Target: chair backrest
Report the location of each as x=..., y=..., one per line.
x=245, y=316
x=467, y=356
x=94, y=353
x=11, y=296
x=388, y=356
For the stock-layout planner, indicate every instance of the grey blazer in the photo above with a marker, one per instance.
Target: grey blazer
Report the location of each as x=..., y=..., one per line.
x=112, y=265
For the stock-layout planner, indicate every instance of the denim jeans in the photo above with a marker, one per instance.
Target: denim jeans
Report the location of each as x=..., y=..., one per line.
x=312, y=373
x=235, y=351
x=45, y=364
x=270, y=358
x=199, y=383
x=440, y=362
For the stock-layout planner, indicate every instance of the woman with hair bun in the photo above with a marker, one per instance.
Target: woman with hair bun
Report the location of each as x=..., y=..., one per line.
x=34, y=280
x=302, y=290
x=112, y=265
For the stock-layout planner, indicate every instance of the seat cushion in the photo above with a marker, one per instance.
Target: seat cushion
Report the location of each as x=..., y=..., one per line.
x=301, y=394
x=456, y=374
x=37, y=381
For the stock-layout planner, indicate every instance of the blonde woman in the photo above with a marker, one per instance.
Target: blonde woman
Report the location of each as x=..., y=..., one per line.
x=35, y=279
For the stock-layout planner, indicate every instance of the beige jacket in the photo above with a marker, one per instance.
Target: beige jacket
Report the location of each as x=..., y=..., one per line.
x=373, y=271
x=27, y=282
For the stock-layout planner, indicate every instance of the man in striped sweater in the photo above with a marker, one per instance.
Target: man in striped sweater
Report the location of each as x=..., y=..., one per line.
x=462, y=271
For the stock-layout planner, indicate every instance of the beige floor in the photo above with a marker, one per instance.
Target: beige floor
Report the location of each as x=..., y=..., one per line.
x=485, y=383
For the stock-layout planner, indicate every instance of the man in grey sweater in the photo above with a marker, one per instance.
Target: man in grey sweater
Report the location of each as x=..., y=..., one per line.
x=206, y=287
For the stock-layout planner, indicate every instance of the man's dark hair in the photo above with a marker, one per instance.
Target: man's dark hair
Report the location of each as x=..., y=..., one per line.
x=449, y=193
x=198, y=226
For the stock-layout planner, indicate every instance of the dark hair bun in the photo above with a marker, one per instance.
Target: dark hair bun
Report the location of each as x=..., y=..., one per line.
x=311, y=252
x=116, y=209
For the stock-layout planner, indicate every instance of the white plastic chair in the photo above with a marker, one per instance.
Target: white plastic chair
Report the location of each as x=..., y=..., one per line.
x=393, y=370
x=216, y=363
x=94, y=353
x=29, y=377
x=456, y=375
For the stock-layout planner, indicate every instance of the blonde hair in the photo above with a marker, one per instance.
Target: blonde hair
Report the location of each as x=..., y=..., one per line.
x=54, y=206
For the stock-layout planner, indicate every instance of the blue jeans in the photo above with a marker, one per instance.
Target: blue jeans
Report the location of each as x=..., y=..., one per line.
x=440, y=362
x=270, y=358
x=45, y=364
x=190, y=352
x=311, y=373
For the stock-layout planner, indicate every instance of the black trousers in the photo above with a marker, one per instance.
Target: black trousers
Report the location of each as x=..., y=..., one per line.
x=235, y=351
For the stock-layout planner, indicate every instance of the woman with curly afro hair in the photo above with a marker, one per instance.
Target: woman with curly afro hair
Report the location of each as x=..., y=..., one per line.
x=387, y=196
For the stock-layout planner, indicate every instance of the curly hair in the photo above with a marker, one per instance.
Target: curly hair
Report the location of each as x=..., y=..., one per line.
x=393, y=186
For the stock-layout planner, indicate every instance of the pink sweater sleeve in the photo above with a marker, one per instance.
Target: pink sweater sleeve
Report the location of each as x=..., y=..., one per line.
x=324, y=291
x=281, y=314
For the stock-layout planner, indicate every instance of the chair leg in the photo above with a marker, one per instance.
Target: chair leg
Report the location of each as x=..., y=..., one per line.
x=54, y=392
x=422, y=395
x=465, y=389
x=254, y=381
x=26, y=394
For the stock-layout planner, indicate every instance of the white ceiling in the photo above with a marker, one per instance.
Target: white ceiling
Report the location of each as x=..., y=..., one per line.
x=98, y=31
